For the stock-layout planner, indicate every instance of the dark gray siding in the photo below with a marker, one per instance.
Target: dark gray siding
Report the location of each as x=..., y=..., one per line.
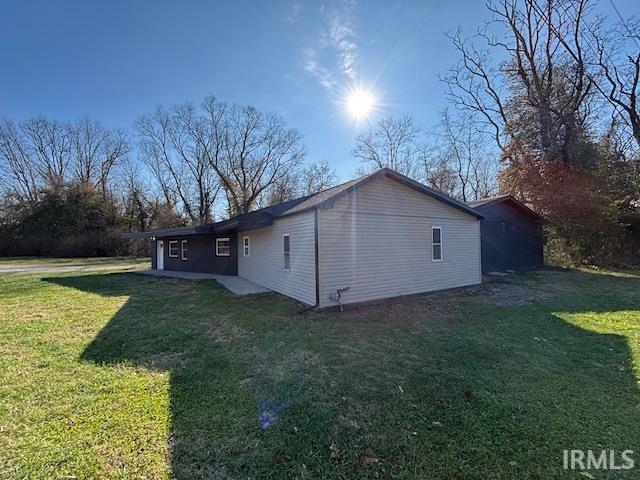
x=201, y=255
x=521, y=245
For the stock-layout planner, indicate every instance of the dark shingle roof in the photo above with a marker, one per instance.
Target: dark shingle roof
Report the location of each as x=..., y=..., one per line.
x=483, y=202
x=264, y=216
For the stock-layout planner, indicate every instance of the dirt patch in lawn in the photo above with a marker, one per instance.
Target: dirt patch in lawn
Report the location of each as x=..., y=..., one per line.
x=505, y=294
x=403, y=311
x=223, y=330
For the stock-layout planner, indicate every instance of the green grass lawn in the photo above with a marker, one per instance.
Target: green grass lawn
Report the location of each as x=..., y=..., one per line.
x=121, y=376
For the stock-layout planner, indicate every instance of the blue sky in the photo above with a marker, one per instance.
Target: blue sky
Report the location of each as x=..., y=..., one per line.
x=115, y=60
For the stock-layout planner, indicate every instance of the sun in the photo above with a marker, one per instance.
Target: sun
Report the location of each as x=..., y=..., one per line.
x=360, y=103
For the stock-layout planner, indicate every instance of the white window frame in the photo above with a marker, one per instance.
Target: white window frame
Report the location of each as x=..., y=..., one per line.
x=171, y=243
x=218, y=240
x=246, y=246
x=286, y=254
x=183, y=250
x=433, y=244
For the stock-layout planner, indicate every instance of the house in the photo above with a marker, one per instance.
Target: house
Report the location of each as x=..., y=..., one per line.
x=511, y=234
x=379, y=236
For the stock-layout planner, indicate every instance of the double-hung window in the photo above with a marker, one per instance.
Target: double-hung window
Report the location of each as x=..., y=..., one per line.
x=286, y=248
x=436, y=244
x=173, y=249
x=183, y=249
x=223, y=247
x=245, y=246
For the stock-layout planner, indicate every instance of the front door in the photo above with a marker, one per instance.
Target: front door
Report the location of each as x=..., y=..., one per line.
x=160, y=255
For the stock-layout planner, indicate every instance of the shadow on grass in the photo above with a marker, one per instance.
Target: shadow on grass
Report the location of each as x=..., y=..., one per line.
x=474, y=391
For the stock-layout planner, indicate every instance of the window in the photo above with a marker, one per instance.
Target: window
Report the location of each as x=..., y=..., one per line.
x=436, y=244
x=183, y=249
x=245, y=246
x=223, y=247
x=503, y=226
x=173, y=249
x=286, y=246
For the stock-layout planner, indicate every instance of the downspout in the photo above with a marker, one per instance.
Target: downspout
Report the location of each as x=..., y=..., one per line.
x=317, y=263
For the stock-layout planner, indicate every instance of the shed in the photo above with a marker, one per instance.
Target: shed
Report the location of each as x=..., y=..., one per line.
x=511, y=234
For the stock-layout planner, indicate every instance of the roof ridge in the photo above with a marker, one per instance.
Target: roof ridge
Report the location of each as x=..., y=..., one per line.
x=387, y=172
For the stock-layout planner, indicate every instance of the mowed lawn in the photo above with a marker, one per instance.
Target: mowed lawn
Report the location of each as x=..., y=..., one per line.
x=121, y=376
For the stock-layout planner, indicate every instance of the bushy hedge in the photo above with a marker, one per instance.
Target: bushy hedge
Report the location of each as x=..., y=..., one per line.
x=74, y=221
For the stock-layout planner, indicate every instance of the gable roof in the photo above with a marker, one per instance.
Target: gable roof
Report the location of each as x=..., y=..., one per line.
x=332, y=194
x=265, y=216
x=484, y=202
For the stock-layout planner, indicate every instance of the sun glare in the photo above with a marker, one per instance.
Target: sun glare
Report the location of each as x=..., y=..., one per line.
x=360, y=104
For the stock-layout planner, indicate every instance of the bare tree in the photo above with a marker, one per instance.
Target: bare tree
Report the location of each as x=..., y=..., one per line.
x=96, y=150
x=17, y=172
x=439, y=174
x=617, y=71
x=143, y=206
x=538, y=82
x=171, y=147
x=49, y=144
x=287, y=188
x=300, y=182
x=459, y=162
x=316, y=177
x=249, y=150
x=391, y=143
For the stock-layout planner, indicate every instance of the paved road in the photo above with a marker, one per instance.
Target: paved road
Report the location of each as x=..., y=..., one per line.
x=56, y=268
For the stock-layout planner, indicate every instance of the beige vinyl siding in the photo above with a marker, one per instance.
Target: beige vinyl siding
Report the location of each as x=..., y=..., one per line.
x=377, y=241
x=265, y=263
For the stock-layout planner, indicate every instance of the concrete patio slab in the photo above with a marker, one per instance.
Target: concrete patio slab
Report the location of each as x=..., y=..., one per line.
x=236, y=285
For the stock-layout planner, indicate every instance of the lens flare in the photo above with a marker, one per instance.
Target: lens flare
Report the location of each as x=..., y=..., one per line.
x=360, y=103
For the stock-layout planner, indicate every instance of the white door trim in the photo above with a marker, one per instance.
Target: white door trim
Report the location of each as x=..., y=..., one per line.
x=160, y=255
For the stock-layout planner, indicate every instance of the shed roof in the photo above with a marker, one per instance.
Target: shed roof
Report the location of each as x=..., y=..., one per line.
x=484, y=202
x=265, y=216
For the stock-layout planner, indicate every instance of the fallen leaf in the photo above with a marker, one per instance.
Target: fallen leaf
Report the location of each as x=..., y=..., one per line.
x=368, y=457
x=588, y=475
x=513, y=463
x=436, y=424
x=335, y=453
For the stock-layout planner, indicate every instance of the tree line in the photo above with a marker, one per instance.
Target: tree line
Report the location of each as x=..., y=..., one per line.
x=72, y=188
x=542, y=104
